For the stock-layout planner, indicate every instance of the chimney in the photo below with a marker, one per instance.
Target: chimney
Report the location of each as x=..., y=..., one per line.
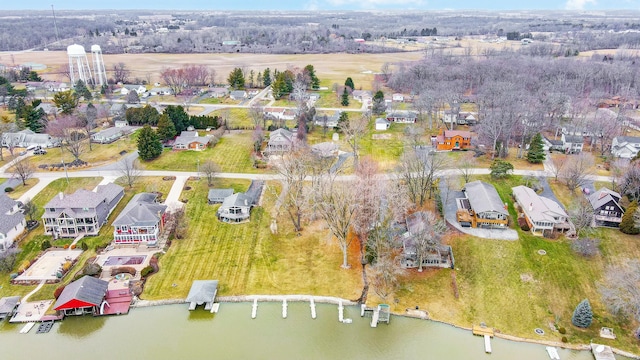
x=61, y=195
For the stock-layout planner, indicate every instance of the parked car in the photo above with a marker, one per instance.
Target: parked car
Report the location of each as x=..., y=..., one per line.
x=39, y=152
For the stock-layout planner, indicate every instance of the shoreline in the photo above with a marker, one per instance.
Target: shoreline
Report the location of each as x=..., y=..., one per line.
x=138, y=303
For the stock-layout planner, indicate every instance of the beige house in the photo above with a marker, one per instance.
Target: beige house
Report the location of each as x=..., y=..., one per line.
x=542, y=214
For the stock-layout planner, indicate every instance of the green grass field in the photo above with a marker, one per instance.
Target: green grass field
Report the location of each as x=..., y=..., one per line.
x=247, y=258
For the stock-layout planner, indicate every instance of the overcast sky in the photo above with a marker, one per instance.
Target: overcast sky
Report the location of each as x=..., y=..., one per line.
x=323, y=4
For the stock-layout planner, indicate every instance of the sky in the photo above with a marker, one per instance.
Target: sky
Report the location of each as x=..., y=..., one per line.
x=323, y=4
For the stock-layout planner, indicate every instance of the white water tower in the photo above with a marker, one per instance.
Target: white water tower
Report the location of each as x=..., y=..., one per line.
x=98, y=65
x=78, y=64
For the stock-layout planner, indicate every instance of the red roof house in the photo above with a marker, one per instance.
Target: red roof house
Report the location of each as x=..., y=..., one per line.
x=83, y=296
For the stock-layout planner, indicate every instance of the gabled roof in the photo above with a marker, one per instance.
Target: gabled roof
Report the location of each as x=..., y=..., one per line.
x=186, y=140
x=236, y=200
x=537, y=208
x=142, y=210
x=202, y=291
x=8, y=304
x=382, y=121
x=574, y=139
x=87, y=291
x=8, y=220
x=448, y=134
x=603, y=196
x=627, y=139
x=483, y=197
x=85, y=198
x=219, y=193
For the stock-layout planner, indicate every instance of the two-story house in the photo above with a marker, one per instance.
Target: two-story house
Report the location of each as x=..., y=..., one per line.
x=607, y=211
x=572, y=144
x=541, y=214
x=626, y=147
x=280, y=141
x=453, y=140
x=80, y=213
x=140, y=222
x=481, y=207
x=12, y=222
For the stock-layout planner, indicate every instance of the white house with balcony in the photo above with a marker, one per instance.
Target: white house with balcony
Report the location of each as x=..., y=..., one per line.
x=140, y=222
x=542, y=214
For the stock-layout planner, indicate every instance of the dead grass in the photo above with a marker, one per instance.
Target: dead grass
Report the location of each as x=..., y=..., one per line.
x=20, y=189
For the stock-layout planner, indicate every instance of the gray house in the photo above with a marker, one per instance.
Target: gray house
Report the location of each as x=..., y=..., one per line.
x=572, y=144
x=626, y=147
x=26, y=138
x=280, y=141
x=481, y=207
x=189, y=140
x=80, y=213
x=217, y=196
x=325, y=120
x=437, y=256
x=541, y=213
x=235, y=208
x=238, y=95
x=12, y=222
x=607, y=211
x=109, y=135
x=140, y=222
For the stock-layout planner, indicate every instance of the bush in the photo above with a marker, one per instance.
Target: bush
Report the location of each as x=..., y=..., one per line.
x=45, y=245
x=73, y=246
x=84, y=246
x=583, y=315
x=123, y=269
x=8, y=189
x=147, y=271
x=66, y=246
x=522, y=222
x=92, y=269
x=562, y=330
x=564, y=339
x=57, y=292
x=586, y=247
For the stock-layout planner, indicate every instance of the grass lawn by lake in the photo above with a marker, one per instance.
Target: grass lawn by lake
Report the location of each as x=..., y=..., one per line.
x=247, y=258
x=232, y=153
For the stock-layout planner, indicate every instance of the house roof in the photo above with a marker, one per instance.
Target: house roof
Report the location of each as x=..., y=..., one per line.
x=142, y=210
x=537, y=208
x=202, y=291
x=255, y=191
x=574, y=139
x=87, y=291
x=325, y=149
x=8, y=304
x=219, y=193
x=85, y=198
x=382, y=121
x=402, y=113
x=281, y=136
x=627, y=139
x=603, y=196
x=189, y=133
x=236, y=200
x=8, y=220
x=185, y=140
x=109, y=132
x=238, y=93
x=448, y=134
x=483, y=197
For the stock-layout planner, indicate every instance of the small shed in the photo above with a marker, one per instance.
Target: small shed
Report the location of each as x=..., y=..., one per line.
x=217, y=196
x=8, y=305
x=382, y=124
x=202, y=292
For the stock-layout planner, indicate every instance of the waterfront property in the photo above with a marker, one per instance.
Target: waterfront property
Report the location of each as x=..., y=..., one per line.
x=83, y=296
x=80, y=213
x=141, y=221
x=12, y=222
x=202, y=292
x=217, y=196
x=419, y=226
x=540, y=213
x=607, y=210
x=8, y=305
x=481, y=207
x=237, y=207
x=448, y=140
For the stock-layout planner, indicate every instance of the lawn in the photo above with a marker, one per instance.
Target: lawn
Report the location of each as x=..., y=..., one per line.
x=232, y=154
x=247, y=258
x=485, y=161
x=238, y=118
x=387, y=146
x=20, y=189
x=329, y=99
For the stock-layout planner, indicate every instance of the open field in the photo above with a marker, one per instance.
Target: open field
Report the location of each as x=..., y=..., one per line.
x=330, y=68
x=232, y=154
x=247, y=258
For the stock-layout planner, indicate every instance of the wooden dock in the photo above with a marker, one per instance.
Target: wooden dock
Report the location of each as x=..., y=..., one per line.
x=487, y=344
x=602, y=352
x=312, y=304
x=553, y=353
x=27, y=327
x=340, y=312
x=284, y=308
x=254, y=309
x=482, y=330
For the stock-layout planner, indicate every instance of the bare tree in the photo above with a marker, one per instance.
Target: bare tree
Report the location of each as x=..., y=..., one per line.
x=465, y=165
x=129, y=169
x=293, y=170
x=427, y=239
x=418, y=170
x=71, y=133
x=384, y=275
x=577, y=170
x=121, y=73
x=23, y=170
x=354, y=130
x=133, y=98
x=581, y=216
x=620, y=289
x=630, y=181
x=559, y=161
x=256, y=113
x=209, y=169
x=8, y=259
x=29, y=209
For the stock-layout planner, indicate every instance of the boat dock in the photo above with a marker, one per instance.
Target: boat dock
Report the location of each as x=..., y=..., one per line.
x=485, y=332
x=45, y=327
x=254, y=309
x=27, y=327
x=487, y=344
x=553, y=353
x=602, y=352
x=284, y=308
x=312, y=304
x=375, y=318
x=340, y=312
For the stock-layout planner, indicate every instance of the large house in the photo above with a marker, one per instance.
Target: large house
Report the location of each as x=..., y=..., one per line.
x=541, y=213
x=607, y=210
x=83, y=296
x=325, y=120
x=217, y=196
x=80, y=213
x=280, y=141
x=189, y=140
x=626, y=147
x=572, y=144
x=481, y=207
x=139, y=89
x=12, y=222
x=402, y=116
x=109, y=135
x=460, y=118
x=418, y=225
x=235, y=208
x=26, y=138
x=140, y=222
x=448, y=140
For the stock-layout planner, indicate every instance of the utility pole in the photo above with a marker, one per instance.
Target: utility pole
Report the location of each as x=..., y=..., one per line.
x=54, y=24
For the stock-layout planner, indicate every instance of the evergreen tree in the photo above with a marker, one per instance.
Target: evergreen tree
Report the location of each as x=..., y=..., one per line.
x=66, y=101
x=349, y=83
x=266, y=77
x=500, y=168
x=582, y=315
x=166, y=129
x=536, y=154
x=345, y=97
x=628, y=225
x=311, y=72
x=81, y=90
x=378, y=106
x=178, y=116
x=236, y=79
x=149, y=145
x=344, y=117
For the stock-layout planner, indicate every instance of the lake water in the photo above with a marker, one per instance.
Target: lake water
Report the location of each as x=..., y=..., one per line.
x=173, y=332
